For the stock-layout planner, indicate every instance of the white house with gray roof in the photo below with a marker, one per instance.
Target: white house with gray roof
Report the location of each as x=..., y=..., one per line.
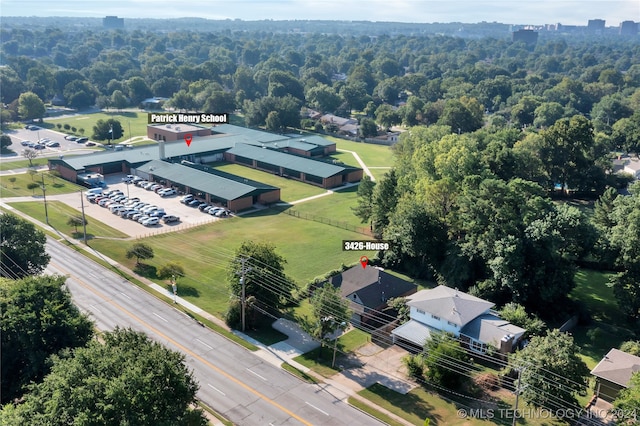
x=444, y=309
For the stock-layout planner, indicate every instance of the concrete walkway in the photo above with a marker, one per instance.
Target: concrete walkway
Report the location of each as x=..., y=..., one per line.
x=362, y=165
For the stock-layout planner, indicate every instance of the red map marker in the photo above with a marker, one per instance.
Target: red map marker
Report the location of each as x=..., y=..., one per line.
x=188, y=138
x=364, y=260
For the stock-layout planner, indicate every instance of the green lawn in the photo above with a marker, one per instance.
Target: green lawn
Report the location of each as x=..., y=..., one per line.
x=290, y=190
x=21, y=164
x=372, y=155
x=310, y=248
x=134, y=123
x=53, y=185
x=59, y=214
x=608, y=328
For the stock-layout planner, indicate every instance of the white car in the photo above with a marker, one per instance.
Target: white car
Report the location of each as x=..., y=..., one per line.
x=151, y=221
x=167, y=192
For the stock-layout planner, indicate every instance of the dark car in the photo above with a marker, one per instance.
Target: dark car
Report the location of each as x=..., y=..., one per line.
x=82, y=139
x=38, y=146
x=170, y=218
x=194, y=203
x=71, y=138
x=203, y=206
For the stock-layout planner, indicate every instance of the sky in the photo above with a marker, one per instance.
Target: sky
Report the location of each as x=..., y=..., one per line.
x=536, y=12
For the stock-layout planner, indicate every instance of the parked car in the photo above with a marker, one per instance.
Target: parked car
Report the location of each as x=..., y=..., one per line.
x=187, y=198
x=143, y=218
x=38, y=146
x=141, y=182
x=167, y=192
x=128, y=178
x=71, y=138
x=25, y=143
x=212, y=211
x=151, y=221
x=52, y=144
x=148, y=209
x=194, y=203
x=147, y=185
x=170, y=218
x=137, y=216
x=154, y=187
x=158, y=213
x=82, y=139
x=44, y=140
x=222, y=213
x=203, y=206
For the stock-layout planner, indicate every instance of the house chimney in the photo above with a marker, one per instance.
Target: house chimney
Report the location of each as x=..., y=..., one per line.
x=161, y=150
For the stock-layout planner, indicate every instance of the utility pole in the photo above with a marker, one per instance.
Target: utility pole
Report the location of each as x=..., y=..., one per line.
x=243, y=283
x=44, y=195
x=84, y=220
x=175, y=289
x=518, y=390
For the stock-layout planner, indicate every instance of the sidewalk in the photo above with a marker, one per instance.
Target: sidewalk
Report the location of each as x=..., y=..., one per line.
x=343, y=385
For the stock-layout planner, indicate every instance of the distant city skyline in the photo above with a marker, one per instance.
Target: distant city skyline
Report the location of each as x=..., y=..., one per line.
x=523, y=12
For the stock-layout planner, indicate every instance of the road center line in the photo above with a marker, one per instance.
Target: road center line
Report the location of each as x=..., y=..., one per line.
x=313, y=406
x=216, y=389
x=251, y=371
x=186, y=350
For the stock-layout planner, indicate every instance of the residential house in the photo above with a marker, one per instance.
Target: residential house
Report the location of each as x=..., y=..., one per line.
x=368, y=289
x=469, y=318
x=613, y=373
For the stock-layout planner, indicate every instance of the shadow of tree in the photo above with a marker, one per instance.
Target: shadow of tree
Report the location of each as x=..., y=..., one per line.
x=409, y=403
x=147, y=271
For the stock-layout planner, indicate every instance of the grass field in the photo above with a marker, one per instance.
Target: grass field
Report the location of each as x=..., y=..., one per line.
x=53, y=185
x=59, y=214
x=10, y=164
x=290, y=190
x=372, y=155
x=134, y=123
x=310, y=248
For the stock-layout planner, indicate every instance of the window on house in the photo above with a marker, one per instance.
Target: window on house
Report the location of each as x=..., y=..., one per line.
x=435, y=317
x=420, y=311
x=477, y=346
x=451, y=324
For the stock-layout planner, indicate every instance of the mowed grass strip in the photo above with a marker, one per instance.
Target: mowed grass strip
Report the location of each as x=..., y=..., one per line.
x=290, y=190
x=373, y=155
x=53, y=185
x=59, y=214
x=310, y=249
x=10, y=164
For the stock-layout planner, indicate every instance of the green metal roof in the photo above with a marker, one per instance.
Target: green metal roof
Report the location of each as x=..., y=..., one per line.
x=211, y=182
x=289, y=161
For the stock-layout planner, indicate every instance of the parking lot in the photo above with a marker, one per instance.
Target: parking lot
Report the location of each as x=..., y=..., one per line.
x=189, y=216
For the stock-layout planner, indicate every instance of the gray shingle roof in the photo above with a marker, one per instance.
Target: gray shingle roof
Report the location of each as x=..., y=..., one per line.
x=371, y=285
x=450, y=304
x=292, y=162
x=617, y=367
x=490, y=329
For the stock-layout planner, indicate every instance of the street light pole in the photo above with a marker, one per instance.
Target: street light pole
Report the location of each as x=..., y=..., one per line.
x=174, y=286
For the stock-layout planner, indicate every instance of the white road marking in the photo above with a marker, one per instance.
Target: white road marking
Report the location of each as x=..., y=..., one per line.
x=204, y=343
x=125, y=295
x=251, y=371
x=216, y=389
x=159, y=317
x=94, y=308
x=313, y=406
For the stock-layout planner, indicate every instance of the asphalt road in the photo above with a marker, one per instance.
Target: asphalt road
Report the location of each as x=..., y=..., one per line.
x=233, y=381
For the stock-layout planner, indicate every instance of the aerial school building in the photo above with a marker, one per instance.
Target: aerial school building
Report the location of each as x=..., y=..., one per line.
x=184, y=167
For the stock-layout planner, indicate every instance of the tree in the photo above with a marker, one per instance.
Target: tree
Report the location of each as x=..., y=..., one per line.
x=30, y=154
x=107, y=130
x=140, y=251
x=39, y=319
x=128, y=379
x=442, y=353
x=324, y=98
x=138, y=90
x=30, y=106
x=32, y=186
x=170, y=270
x=517, y=315
x=384, y=201
x=551, y=371
x=273, y=122
x=76, y=221
x=627, y=404
x=22, y=249
x=329, y=312
x=5, y=141
x=364, y=209
x=631, y=347
x=264, y=276
x=118, y=100
x=80, y=94
x=368, y=128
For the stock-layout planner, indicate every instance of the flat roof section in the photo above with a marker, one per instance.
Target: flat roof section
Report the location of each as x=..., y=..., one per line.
x=208, y=182
x=288, y=161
